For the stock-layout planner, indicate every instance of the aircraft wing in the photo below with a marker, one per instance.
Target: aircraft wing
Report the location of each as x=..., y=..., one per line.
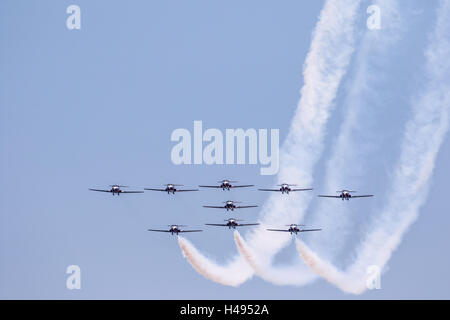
x=185, y=190
x=243, y=207
x=210, y=187
x=247, y=224
x=363, y=196
x=216, y=224
x=281, y=230
x=132, y=192
x=99, y=190
x=190, y=231
x=304, y=230
x=158, y=230
x=301, y=189
x=243, y=186
x=324, y=196
x=270, y=190
x=215, y=207
x=150, y=189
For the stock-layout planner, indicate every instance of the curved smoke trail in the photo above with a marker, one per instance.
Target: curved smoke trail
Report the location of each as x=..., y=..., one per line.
x=347, y=163
x=423, y=136
x=211, y=270
x=326, y=63
x=286, y=275
x=373, y=47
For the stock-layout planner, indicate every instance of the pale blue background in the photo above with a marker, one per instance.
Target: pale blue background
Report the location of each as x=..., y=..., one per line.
x=96, y=106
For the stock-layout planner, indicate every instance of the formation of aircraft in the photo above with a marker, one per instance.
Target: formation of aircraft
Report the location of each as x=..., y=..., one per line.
x=294, y=228
x=231, y=223
x=285, y=188
x=174, y=229
x=171, y=188
x=116, y=189
x=345, y=195
x=230, y=205
x=227, y=185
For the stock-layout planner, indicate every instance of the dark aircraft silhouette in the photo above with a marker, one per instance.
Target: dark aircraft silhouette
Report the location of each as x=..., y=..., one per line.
x=232, y=223
x=285, y=188
x=115, y=189
x=230, y=205
x=293, y=228
x=171, y=188
x=227, y=185
x=346, y=195
x=174, y=229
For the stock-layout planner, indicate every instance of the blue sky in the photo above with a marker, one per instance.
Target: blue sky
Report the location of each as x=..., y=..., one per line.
x=92, y=107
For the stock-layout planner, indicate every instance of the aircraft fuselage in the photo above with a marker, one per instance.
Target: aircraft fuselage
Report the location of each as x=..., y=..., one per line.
x=232, y=224
x=345, y=196
x=230, y=206
x=115, y=190
x=293, y=229
x=170, y=189
x=174, y=229
x=225, y=185
x=285, y=189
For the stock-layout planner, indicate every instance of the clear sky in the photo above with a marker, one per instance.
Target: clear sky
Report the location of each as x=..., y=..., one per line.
x=91, y=107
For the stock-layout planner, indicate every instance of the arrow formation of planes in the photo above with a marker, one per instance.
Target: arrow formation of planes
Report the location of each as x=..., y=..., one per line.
x=228, y=205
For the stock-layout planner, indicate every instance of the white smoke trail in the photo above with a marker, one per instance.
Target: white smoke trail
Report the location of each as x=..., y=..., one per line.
x=422, y=139
x=281, y=275
x=228, y=275
x=346, y=162
x=327, y=62
x=327, y=270
x=372, y=48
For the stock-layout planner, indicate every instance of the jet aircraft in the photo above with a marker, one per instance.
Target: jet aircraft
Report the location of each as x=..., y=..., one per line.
x=171, y=188
x=346, y=195
x=232, y=223
x=174, y=229
x=230, y=205
x=116, y=189
x=285, y=188
x=227, y=185
x=293, y=228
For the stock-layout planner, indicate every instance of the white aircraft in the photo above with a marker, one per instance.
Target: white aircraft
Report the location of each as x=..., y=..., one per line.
x=116, y=189
x=227, y=185
x=346, y=195
x=171, y=188
x=230, y=205
x=293, y=228
x=285, y=188
x=232, y=223
x=174, y=229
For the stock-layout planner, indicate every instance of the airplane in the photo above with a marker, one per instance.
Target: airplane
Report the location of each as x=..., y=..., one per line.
x=285, y=188
x=171, y=188
x=174, y=229
x=293, y=228
x=346, y=195
x=116, y=189
x=232, y=223
x=230, y=205
x=227, y=185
